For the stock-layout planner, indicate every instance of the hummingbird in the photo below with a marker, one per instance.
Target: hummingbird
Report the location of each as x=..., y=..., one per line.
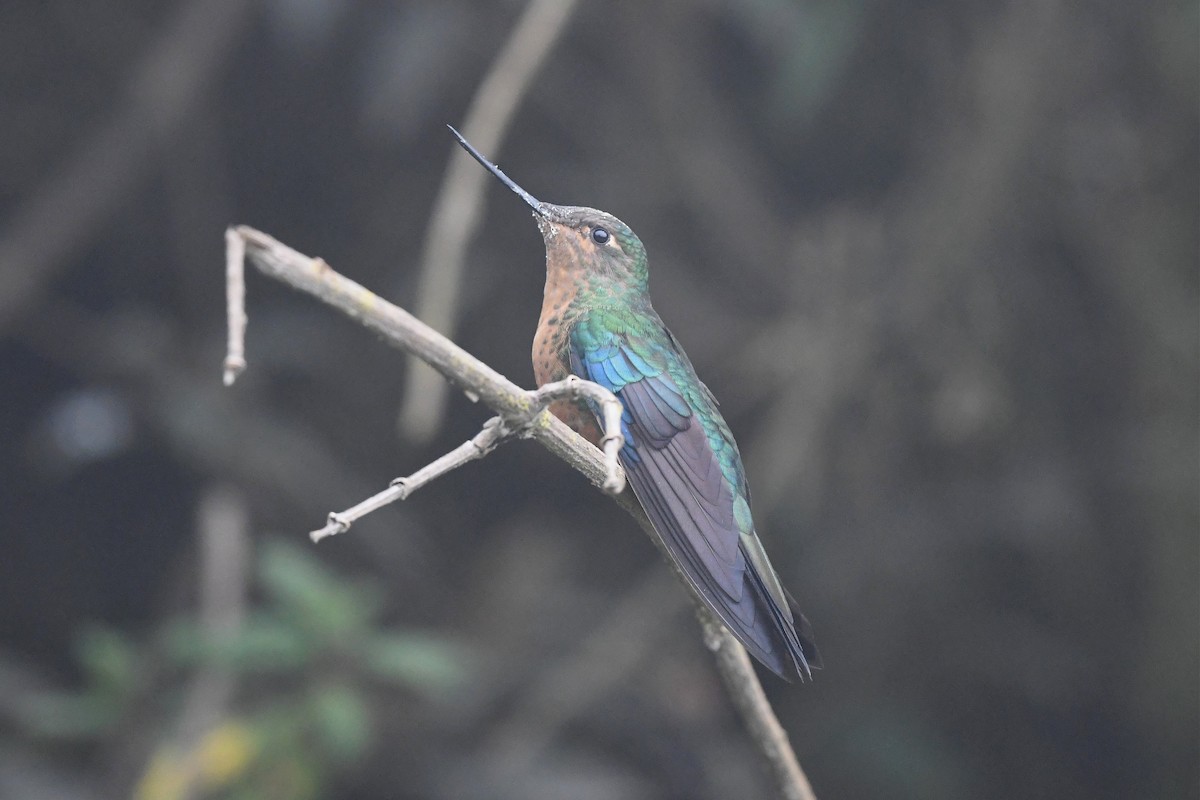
x=679, y=455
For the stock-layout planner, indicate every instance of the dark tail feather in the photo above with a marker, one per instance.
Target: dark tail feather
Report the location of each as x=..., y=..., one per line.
x=785, y=646
x=804, y=632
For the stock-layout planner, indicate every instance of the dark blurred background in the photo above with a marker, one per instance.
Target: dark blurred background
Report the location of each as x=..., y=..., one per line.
x=937, y=259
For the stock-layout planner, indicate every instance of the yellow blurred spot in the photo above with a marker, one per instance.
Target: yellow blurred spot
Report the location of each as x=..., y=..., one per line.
x=219, y=758
x=165, y=779
x=225, y=753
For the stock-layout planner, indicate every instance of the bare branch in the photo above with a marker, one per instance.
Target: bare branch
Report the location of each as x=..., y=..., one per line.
x=494, y=432
x=235, y=305
x=402, y=330
x=755, y=709
x=458, y=209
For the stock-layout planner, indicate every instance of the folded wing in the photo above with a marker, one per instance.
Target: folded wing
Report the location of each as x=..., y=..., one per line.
x=675, y=445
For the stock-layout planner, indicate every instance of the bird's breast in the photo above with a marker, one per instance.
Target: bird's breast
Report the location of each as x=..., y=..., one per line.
x=551, y=361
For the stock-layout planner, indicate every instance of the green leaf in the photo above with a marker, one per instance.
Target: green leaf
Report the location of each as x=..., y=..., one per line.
x=418, y=660
x=342, y=723
x=109, y=659
x=313, y=596
x=64, y=715
x=262, y=644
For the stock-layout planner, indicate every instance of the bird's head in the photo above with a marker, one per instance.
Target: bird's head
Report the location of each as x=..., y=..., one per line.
x=584, y=241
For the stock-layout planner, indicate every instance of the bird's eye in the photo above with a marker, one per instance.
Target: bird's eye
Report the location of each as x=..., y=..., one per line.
x=600, y=236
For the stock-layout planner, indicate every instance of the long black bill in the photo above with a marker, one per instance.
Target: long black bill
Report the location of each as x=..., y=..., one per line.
x=492, y=168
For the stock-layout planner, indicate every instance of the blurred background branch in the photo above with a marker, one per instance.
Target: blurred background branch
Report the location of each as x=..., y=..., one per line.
x=63, y=215
x=458, y=209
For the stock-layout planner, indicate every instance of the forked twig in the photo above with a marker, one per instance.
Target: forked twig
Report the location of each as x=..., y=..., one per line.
x=495, y=431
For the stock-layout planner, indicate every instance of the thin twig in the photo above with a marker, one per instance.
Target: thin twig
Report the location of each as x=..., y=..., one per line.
x=457, y=212
x=235, y=305
x=402, y=330
x=493, y=433
x=755, y=709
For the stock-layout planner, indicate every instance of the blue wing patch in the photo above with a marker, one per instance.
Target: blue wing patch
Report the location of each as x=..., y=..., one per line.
x=675, y=470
